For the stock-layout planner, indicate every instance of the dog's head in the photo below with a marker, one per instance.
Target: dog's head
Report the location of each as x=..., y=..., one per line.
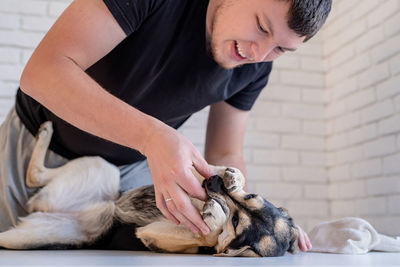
x=252, y=226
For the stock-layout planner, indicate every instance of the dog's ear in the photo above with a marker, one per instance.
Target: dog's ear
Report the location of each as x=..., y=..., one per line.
x=284, y=212
x=294, y=232
x=245, y=251
x=254, y=201
x=293, y=243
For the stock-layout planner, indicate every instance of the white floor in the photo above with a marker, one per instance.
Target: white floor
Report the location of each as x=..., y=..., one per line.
x=129, y=258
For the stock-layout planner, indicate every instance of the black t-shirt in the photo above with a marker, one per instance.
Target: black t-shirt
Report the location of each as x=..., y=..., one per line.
x=162, y=68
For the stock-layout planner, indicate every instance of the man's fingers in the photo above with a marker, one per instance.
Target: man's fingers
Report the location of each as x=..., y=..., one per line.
x=192, y=186
x=184, y=210
x=301, y=240
x=201, y=166
x=308, y=242
x=162, y=206
x=174, y=210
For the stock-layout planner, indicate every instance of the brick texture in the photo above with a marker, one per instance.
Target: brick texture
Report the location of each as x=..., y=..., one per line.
x=362, y=76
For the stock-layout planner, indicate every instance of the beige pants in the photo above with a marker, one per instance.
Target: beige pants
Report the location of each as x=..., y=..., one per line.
x=16, y=146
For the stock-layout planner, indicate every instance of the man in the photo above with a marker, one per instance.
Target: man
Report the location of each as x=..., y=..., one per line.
x=117, y=77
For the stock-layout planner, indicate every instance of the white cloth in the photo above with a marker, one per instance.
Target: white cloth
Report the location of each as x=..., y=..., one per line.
x=350, y=236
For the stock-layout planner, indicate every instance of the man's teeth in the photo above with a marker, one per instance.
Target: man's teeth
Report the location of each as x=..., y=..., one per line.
x=240, y=52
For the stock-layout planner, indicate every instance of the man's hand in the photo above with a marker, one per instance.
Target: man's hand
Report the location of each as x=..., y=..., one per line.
x=171, y=158
x=303, y=240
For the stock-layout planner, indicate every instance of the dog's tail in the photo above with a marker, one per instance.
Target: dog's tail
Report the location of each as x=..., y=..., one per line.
x=42, y=229
x=96, y=220
x=137, y=207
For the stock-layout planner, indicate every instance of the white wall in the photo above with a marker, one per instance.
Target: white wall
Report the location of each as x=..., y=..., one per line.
x=324, y=137
x=362, y=56
x=23, y=24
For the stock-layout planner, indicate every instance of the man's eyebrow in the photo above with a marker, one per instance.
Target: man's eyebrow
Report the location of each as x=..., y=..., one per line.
x=271, y=29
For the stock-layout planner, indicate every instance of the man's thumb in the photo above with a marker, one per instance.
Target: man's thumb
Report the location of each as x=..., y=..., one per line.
x=202, y=167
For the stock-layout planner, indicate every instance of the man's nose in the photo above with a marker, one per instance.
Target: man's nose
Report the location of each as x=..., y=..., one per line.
x=261, y=50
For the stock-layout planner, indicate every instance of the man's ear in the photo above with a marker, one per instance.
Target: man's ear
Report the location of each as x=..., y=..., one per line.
x=242, y=252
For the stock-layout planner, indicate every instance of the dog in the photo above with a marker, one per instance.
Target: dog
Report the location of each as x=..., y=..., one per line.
x=79, y=202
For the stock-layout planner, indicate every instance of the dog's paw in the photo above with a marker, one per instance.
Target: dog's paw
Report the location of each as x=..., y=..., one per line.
x=213, y=215
x=233, y=179
x=45, y=129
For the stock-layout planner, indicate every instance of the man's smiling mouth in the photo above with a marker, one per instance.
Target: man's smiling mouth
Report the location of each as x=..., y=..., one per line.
x=239, y=51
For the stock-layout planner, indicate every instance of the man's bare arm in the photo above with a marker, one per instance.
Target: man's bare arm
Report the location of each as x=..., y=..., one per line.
x=55, y=75
x=225, y=134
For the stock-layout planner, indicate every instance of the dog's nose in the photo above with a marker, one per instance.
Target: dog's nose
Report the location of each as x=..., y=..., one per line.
x=214, y=183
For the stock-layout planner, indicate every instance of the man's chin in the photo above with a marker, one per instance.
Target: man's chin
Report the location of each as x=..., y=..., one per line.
x=226, y=65
x=229, y=67
x=212, y=53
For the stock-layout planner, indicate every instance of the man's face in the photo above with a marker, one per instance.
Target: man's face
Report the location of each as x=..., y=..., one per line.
x=249, y=31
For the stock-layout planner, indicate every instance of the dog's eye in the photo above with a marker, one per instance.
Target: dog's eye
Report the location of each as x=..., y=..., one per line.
x=235, y=219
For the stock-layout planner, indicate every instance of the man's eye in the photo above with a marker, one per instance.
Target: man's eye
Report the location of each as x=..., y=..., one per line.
x=280, y=50
x=260, y=27
x=235, y=219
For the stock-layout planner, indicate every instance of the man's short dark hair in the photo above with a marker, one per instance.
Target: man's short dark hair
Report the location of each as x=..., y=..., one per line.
x=306, y=17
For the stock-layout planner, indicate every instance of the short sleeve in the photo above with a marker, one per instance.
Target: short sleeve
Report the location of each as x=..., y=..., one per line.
x=131, y=13
x=245, y=98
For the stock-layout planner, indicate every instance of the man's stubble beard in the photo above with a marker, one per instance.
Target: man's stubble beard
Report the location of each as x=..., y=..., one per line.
x=212, y=40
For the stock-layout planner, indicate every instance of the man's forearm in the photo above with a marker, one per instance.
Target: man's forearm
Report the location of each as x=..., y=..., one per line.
x=65, y=89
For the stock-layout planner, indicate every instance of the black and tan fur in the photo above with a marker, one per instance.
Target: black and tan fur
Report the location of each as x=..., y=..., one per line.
x=78, y=203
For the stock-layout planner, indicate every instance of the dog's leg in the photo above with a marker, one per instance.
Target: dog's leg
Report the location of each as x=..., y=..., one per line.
x=71, y=186
x=234, y=182
x=165, y=236
x=38, y=175
x=76, y=185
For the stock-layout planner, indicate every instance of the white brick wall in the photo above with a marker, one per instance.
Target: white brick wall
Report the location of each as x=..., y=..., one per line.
x=23, y=24
x=361, y=43
x=323, y=139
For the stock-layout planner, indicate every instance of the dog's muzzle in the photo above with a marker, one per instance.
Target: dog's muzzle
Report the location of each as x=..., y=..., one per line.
x=215, y=190
x=214, y=184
